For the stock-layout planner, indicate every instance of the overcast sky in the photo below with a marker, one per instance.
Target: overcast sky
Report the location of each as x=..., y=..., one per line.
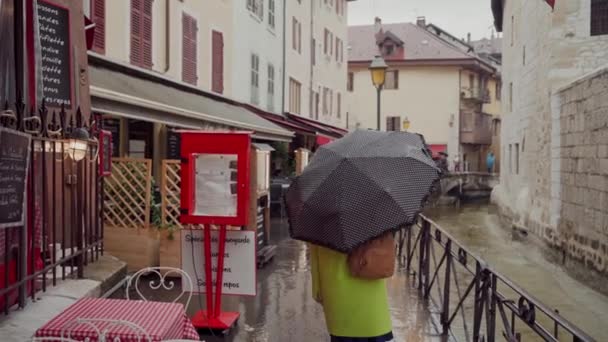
x=455, y=16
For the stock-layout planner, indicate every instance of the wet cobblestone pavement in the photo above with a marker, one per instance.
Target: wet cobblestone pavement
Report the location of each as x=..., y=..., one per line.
x=284, y=311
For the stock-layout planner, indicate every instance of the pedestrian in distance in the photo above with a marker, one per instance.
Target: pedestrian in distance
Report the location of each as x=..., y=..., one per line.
x=490, y=159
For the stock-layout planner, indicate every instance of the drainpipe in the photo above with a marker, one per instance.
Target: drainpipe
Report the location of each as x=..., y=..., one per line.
x=284, y=47
x=167, y=35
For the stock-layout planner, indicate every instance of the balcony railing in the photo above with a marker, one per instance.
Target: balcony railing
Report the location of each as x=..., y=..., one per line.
x=476, y=94
x=475, y=128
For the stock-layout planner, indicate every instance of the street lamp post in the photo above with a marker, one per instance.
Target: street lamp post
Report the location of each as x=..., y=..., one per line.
x=378, y=71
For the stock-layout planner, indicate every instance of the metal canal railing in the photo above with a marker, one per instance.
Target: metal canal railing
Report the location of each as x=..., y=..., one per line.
x=474, y=301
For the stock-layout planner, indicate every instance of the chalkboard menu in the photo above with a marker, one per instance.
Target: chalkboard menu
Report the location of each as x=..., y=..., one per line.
x=174, y=143
x=113, y=126
x=14, y=161
x=55, y=44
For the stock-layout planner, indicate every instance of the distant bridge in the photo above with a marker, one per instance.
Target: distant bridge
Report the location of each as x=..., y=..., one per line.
x=468, y=185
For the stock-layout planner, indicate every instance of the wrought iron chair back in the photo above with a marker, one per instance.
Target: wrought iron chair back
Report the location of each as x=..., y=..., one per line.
x=162, y=283
x=103, y=328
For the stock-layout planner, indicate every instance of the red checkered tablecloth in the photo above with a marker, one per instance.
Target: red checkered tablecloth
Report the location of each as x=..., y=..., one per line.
x=161, y=321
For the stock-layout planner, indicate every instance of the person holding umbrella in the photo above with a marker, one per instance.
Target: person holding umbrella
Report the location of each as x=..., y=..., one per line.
x=347, y=204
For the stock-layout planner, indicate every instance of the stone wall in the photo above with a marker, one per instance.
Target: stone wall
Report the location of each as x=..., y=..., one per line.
x=583, y=177
x=544, y=51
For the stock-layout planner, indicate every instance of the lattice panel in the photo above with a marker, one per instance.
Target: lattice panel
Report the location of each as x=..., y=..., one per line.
x=128, y=193
x=170, y=193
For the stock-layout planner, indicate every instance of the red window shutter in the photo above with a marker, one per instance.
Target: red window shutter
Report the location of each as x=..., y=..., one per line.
x=147, y=34
x=136, y=25
x=189, y=49
x=98, y=16
x=218, y=63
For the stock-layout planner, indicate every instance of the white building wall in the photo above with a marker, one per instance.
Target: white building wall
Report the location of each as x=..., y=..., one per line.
x=327, y=72
x=298, y=64
x=254, y=35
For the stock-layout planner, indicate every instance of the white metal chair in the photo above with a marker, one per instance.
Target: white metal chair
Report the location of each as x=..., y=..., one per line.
x=102, y=328
x=162, y=283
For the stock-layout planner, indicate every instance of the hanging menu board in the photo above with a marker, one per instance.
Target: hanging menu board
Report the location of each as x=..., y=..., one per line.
x=14, y=161
x=174, y=144
x=54, y=31
x=113, y=126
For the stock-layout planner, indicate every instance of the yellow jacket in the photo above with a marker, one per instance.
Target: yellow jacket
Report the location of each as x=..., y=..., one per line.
x=353, y=307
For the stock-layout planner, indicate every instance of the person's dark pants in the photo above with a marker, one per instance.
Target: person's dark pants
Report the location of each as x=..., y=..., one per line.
x=489, y=169
x=384, y=338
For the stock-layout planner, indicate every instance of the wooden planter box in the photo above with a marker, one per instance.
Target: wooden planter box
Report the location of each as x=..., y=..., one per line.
x=170, y=249
x=139, y=248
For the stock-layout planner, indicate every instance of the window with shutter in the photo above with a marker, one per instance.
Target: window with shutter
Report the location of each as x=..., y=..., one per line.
x=313, y=52
x=337, y=49
x=98, y=16
x=189, y=47
x=255, y=80
x=141, y=33
x=147, y=34
x=339, y=105
x=271, y=13
x=393, y=123
x=217, y=62
x=270, y=95
x=599, y=17
x=350, y=83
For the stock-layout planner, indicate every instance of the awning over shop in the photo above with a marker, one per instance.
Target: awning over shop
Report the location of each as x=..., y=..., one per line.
x=123, y=90
x=319, y=127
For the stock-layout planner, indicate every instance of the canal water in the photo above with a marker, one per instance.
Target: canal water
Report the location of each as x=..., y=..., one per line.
x=479, y=229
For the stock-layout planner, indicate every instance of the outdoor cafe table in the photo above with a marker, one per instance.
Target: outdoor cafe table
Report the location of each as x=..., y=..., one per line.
x=161, y=321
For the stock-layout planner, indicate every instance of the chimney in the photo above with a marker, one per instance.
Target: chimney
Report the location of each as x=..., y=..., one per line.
x=377, y=25
x=469, y=38
x=421, y=21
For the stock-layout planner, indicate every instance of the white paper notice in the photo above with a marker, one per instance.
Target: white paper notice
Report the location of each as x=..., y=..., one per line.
x=239, y=276
x=215, y=191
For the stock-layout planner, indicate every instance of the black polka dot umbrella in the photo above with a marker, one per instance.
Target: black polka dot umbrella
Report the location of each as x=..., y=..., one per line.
x=359, y=187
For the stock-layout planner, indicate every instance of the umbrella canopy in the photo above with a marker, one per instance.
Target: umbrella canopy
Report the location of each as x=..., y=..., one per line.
x=359, y=187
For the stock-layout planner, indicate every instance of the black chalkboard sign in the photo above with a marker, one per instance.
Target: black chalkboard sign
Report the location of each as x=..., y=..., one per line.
x=174, y=144
x=14, y=161
x=105, y=156
x=113, y=126
x=55, y=44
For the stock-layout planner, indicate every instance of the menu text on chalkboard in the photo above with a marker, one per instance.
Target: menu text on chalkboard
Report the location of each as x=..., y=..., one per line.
x=105, y=157
x=54, y=33
x=173, y=144
x=14, y=161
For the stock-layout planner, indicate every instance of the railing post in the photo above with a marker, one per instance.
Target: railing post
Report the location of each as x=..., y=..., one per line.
x=491, y=315
x=445, y=312
x=409, y=248
x=423, y=271
x=478, y=306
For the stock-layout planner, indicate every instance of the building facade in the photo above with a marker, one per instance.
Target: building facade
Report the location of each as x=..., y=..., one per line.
x=316, y=68
x=158, y=66
x=258, y=53
x=553, y=144
x=436, y=85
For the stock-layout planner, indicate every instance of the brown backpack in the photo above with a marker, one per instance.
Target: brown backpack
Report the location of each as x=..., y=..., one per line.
x=375, y=259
